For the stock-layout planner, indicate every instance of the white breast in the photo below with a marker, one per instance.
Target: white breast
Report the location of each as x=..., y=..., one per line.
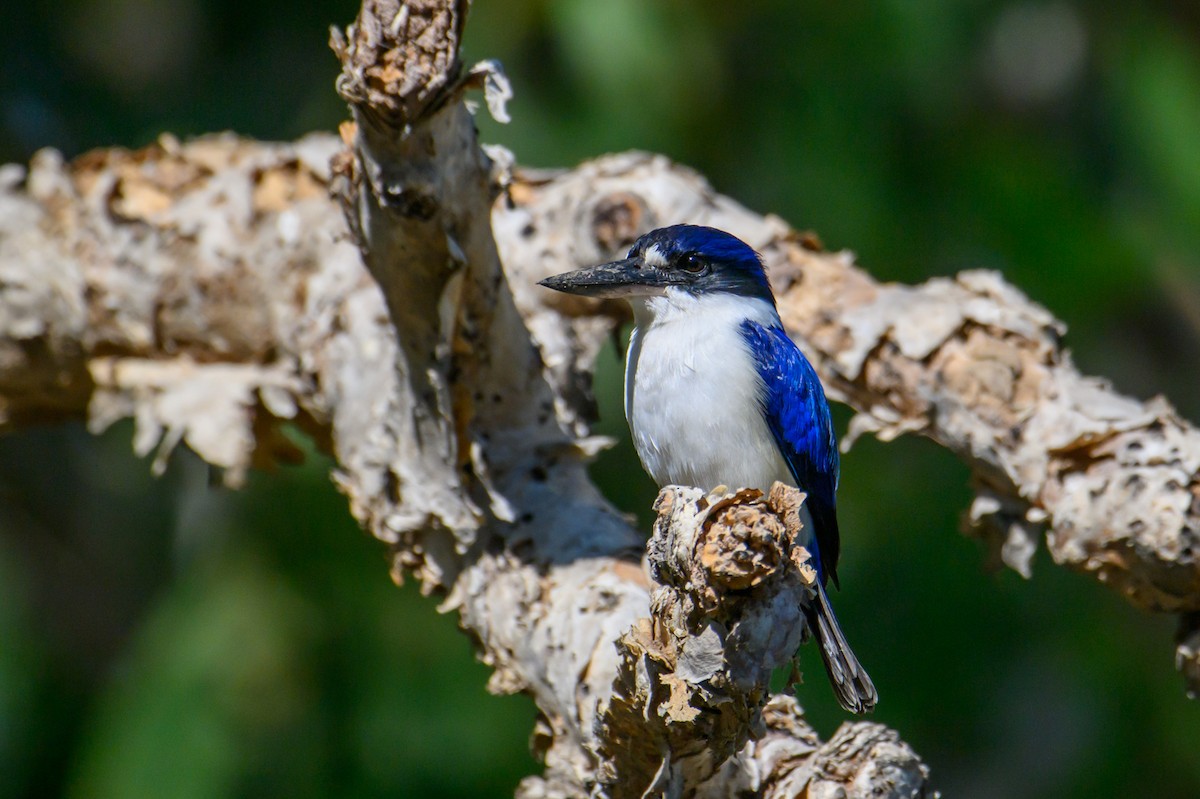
x=692, y=393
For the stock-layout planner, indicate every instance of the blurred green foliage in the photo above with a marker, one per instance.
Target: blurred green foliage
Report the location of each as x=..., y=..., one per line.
x=168, y=639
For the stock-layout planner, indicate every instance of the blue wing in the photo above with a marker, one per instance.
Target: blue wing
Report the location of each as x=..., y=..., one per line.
x=797, y=413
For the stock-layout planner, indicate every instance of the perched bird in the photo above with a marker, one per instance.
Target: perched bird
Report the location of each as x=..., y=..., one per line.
x=717, y=394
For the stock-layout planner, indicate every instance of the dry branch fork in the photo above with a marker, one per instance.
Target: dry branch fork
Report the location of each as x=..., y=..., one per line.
x=211, y=291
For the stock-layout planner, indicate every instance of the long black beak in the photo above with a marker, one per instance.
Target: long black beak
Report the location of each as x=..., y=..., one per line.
x=626, y=278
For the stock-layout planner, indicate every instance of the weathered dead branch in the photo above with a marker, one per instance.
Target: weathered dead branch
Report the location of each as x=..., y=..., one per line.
x=212, y=291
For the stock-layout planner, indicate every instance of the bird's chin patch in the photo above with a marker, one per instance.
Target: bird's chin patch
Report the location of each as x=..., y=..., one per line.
x=664, y=303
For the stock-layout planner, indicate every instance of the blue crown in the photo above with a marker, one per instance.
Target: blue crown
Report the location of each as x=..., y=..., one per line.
x=734, y=265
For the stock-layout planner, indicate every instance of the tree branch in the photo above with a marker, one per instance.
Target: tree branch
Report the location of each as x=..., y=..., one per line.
x=211, y=291
x=502, y=531
x=968, y=361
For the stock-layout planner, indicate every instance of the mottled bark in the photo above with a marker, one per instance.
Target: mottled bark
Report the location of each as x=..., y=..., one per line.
x=499, y=511
x=968, y=361
x=213, y=291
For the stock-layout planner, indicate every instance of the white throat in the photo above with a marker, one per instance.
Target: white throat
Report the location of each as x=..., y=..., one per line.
x=693, y=394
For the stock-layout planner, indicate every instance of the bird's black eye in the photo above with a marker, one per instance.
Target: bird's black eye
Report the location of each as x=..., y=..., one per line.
x=692, y=263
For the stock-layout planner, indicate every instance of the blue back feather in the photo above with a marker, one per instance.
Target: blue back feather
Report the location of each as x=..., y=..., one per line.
x=797, y=413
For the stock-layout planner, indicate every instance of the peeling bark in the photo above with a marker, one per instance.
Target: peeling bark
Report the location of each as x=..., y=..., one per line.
x=725, y=612
x=968, y=361
x=187, y=283
x=498, y=496
x=213, y=292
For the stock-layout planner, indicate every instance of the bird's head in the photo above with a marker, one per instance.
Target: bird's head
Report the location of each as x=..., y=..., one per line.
x=685, y=258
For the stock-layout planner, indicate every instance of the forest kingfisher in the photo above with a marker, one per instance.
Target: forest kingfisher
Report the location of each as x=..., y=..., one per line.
x=717, y=394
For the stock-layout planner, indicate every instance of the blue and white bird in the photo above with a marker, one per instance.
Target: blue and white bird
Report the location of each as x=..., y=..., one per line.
x=717, y=394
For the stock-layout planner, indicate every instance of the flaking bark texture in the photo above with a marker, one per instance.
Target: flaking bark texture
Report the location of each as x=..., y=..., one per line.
x=482, y=477
x=215, y=280
x=201, y=289
x=972, y=363
x=487, y=441
x=968, y=361
x=691, y=713
x=725, y=612
x=213, y=292
x=862, y=760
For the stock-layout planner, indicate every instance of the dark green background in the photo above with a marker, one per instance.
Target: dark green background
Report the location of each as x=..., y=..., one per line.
x=169, y=639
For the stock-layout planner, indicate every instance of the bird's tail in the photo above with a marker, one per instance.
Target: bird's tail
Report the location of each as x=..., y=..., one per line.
x=855, y=691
